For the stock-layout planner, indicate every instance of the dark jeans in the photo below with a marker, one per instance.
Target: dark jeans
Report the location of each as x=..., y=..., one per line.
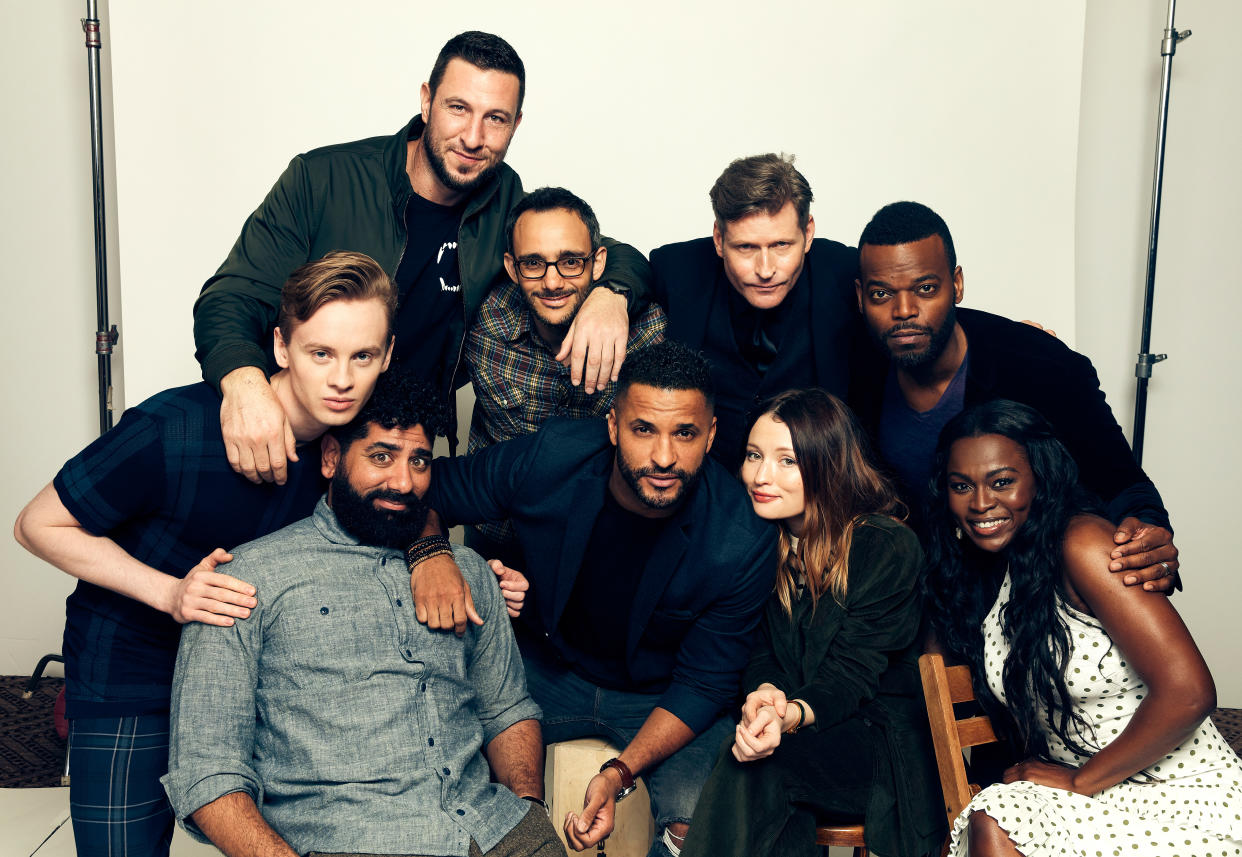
x=576, y=708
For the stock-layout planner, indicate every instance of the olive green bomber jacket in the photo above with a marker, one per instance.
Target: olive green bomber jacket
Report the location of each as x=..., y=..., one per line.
x=352, y=196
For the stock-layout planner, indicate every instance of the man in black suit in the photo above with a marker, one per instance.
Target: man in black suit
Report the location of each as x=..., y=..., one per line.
x=932, y=360
x=768, y=303
x=648, y=571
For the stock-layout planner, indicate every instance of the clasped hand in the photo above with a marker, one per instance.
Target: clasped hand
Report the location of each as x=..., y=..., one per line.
x=763, y=720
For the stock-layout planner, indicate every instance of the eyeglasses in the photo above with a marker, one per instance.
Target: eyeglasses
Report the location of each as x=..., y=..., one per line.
x=533, y=268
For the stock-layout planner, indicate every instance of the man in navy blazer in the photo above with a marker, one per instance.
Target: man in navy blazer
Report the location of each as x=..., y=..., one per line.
x=771, y=305
x=648, y=571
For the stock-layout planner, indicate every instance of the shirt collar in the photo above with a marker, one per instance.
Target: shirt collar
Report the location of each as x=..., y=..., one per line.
x=327, y=524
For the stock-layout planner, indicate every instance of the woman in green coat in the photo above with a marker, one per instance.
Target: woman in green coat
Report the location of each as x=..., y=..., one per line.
x=833, y=727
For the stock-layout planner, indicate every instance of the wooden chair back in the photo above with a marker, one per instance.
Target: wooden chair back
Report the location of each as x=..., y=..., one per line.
x=942, y=688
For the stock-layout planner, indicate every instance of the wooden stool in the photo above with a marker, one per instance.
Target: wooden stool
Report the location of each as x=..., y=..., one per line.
x=843, y=836
x=569, y=767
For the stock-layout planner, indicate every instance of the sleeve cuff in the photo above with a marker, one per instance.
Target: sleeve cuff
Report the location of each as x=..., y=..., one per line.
x=211, y=787
x=524, y=710
x=221, y=361
x=691, y=708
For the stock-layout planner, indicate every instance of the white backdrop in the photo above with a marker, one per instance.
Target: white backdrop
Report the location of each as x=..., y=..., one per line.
x=972, y=107
x=636, y=107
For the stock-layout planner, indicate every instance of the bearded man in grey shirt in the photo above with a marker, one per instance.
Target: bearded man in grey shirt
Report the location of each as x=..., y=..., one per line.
x=331, y=720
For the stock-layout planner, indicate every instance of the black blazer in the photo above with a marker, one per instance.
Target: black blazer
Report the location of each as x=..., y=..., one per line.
x=703, y=588
x=686, y=276
x=688, y=280
x=1011, y=360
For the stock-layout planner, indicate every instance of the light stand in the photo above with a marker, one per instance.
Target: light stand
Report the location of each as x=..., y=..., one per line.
x=1143, y=368
x=105, y=336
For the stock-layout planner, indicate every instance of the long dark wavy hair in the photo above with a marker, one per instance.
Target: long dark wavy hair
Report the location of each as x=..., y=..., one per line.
x=962, y=581
x=840, y=484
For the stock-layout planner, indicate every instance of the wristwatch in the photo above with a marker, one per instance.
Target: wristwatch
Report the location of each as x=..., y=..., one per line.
x=627, y=778
x=615, y=288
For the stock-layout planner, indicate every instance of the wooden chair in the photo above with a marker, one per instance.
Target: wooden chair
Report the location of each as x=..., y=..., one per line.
x=845, y=836
x=942, y=688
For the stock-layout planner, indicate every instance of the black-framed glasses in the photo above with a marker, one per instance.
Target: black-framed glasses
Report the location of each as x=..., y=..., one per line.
x=534, y=268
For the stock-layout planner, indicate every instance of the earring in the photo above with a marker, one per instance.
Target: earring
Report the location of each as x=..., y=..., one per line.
x=957, y=533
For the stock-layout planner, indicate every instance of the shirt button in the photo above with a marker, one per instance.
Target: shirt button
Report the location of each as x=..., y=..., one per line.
x=431, y=742
x=323, y=610
x=446, y=771
x=461, y=812
x=424, y=687
x=398, y=602
x=407, y=653
x=384, y=561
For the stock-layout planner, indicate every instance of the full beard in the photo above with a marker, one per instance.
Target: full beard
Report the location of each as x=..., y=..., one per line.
x=385, y=528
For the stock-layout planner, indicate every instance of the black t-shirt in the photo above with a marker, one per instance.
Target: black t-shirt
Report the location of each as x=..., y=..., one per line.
x=430, y=288
x=595, y=624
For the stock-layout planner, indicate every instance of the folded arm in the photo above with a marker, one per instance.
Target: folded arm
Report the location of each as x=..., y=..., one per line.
x=1155, y=643
x=594, y=345
x=47, y=529
x=233, y=320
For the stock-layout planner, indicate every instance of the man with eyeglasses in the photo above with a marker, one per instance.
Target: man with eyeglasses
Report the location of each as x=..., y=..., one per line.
x=554, y=257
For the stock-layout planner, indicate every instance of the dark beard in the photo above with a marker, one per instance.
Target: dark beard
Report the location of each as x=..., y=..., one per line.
x=447, y=178
x=936, y=344
x=632, y=475
x=383, y=528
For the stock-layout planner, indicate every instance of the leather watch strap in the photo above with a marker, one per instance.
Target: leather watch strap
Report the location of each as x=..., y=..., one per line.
x=627, y=777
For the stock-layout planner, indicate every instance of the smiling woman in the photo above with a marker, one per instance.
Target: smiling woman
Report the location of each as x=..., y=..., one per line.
x=1098, y=685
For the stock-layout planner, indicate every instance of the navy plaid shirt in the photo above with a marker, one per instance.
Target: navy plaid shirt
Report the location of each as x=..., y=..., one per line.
x=518, y=385
x=160, y=486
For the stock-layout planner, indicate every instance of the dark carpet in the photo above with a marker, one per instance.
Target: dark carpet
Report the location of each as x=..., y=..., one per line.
x=32, y=755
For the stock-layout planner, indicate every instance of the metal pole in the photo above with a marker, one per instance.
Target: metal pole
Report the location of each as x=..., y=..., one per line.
x=1143, y=368
x=105, y=336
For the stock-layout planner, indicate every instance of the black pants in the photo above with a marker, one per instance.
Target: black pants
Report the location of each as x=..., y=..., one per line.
x=771, y=806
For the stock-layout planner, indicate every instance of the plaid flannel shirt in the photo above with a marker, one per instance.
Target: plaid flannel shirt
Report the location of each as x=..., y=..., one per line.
x=518, y=385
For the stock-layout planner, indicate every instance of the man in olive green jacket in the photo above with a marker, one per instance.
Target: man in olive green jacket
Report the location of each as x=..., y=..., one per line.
x=429, y=204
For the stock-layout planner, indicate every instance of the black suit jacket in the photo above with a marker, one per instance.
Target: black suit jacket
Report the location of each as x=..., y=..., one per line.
x=1011, y=360
x=702, y=590
x=688, y=279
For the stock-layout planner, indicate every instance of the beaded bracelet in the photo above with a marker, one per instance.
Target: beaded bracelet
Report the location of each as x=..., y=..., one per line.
x=426, y=548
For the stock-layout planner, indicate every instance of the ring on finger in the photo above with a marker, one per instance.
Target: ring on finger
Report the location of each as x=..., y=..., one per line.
x=1168, y=572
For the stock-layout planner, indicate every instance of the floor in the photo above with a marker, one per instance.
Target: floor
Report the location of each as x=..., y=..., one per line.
x=36, y=821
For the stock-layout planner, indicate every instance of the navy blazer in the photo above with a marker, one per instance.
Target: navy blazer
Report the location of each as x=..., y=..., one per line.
x=702, y=590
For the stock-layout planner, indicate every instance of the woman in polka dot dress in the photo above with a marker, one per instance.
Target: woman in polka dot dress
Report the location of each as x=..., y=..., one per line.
x=1100, y=683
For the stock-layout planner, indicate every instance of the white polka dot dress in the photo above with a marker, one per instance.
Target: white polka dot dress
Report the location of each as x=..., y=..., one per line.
x=1190, y=804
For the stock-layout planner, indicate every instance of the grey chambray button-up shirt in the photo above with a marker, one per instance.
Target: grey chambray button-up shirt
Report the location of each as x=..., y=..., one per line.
x=353, y=727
